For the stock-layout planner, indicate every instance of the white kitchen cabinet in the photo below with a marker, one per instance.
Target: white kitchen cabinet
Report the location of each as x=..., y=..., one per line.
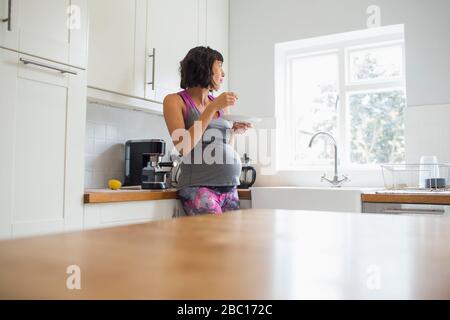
x=308, y=198
x=406, y=209
x=117, y=45
x=135, y=47
x=173, y=29
x=217, y=27
x=246, y=204
x=43, y=114
x=193, y=23
x=9, y=35
x=50, y=29
x=104, y=215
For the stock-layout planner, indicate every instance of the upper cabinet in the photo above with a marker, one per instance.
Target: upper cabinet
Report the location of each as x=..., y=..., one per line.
x=43, y=57
x=135, y=47
x=117, y=45
x=9, y=36
x=217, y=14
x=50, y=29
x=173, y=28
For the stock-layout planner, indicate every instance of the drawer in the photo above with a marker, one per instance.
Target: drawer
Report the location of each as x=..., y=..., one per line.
x=123, y=213
x=409, y=209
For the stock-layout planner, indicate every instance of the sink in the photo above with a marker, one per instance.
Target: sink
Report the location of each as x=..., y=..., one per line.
x=308, y=198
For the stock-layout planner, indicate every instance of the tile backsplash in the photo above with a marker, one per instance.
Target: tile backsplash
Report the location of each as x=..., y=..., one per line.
x=107, y=130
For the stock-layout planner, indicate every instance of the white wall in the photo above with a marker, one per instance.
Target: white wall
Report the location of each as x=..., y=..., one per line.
x=428, y=132
x=256, y=25
x=107, y=130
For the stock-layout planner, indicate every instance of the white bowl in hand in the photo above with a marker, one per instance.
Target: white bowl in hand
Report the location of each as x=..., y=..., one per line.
x=241, y=118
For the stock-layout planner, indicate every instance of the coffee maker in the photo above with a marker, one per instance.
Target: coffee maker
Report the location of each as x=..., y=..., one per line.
x=157, y=174
x=248, y=174
x=144, y=166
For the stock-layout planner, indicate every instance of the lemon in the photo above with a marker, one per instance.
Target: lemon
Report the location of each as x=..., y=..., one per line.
x=114, y=184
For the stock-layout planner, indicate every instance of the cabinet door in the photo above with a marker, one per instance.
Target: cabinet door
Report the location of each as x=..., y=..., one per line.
x=44, y=115
x=52, y=29
x=9, y=35
x=173, y=29
x=104, y=215
x=246, y=204
x=217, y=13
x=117, y=45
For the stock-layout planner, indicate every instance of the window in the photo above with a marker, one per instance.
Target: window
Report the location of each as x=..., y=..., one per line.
x=351, y=85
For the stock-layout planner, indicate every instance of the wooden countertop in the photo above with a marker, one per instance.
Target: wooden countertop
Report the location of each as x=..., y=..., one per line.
x=250, y=254
x=107, y=195
x=411, y=198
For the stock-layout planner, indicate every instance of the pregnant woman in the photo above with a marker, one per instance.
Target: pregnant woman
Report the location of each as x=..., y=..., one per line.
x=210, y=167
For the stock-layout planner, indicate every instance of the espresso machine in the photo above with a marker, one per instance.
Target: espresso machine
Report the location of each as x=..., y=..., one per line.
x=144, y=166
x=157, y=174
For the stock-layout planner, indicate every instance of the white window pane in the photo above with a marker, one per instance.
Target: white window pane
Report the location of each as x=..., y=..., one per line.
x=314, y=82
x=377, y=127
x=383, y=63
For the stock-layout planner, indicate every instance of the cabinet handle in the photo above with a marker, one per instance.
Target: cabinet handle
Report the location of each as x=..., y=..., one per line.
x=413, y=211
x=26, y=61
x=153, y=56
x=9, y=16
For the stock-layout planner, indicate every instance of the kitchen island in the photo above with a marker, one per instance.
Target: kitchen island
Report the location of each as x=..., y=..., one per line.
x=248, y=254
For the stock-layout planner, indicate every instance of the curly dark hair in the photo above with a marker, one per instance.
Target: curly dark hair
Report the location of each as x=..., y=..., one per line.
x=196, y=67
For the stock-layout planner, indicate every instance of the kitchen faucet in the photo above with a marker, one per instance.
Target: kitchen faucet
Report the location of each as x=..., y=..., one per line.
x=336, y=182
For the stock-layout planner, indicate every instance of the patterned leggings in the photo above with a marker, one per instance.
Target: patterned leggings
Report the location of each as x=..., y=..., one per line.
x=203, y=200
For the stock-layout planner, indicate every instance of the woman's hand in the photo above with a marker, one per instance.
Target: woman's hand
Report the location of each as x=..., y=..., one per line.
x=223, y=101
x=241, y=127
